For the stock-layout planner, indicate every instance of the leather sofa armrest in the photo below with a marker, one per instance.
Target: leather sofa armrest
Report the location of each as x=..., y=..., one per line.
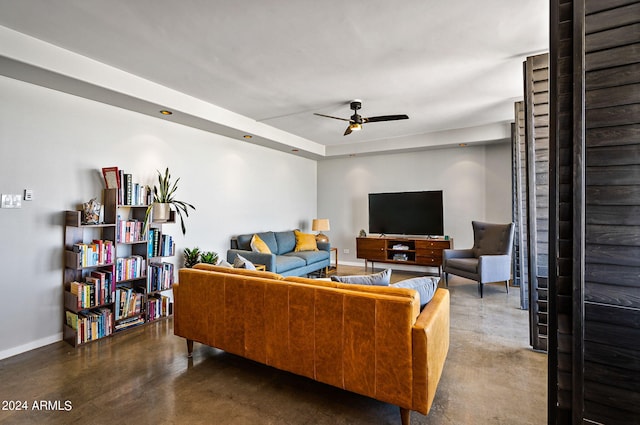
x=430, y=336
x=456, y=253
x=269, y=260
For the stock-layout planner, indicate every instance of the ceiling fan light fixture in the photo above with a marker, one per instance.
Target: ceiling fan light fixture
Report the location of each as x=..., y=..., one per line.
x=355, y=126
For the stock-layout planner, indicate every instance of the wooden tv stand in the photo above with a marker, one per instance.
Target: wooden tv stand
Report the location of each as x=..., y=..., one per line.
x=416, y=251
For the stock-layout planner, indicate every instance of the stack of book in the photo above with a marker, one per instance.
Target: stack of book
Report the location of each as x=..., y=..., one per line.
x=130, y=268
x=96, y=290
x=96, y=253
x=160, y=245
x=161, y=276
x=159, y=306
x=91, y=325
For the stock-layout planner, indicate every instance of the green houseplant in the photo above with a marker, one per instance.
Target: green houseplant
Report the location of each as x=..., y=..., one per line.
x=191, y=257
x=209, y=257
x=164, y=198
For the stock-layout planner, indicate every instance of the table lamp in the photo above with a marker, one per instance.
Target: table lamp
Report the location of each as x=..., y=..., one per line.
x=320, y=225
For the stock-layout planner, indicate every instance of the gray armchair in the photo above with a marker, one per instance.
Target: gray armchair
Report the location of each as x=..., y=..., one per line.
x=488, y=261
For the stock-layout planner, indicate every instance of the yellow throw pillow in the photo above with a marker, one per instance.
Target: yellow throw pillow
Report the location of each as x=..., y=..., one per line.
x=258, y=245
x=305, y=241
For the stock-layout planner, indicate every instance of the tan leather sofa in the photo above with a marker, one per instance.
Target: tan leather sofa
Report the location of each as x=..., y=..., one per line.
x=371, y=340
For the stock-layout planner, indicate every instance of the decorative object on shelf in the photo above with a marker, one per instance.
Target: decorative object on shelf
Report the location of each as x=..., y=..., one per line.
x=111, y=177
x=91, y=212
x=320, y=225
x=191, y=257
x=209, y=257
x=164, y=193
x=362, y=234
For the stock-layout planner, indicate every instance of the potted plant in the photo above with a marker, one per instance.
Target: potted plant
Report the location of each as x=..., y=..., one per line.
x=209, y=257
x=164, y=199
x=191, y=257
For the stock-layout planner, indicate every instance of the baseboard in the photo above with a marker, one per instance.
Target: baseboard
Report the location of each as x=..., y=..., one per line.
x=30, y=346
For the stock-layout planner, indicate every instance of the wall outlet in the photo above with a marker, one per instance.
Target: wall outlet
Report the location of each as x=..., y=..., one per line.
x=345, y=251
x=11, y=201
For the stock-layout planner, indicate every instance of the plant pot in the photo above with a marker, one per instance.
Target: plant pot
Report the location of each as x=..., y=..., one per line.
x=161, y=212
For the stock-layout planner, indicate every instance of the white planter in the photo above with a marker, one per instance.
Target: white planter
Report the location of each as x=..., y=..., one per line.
x=161, y=212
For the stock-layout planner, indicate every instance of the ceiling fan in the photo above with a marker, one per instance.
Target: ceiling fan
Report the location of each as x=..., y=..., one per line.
x=356, y=120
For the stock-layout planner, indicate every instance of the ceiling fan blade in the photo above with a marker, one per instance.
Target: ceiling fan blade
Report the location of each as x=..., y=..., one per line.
x=385, y=118
x=329, y=116
x=347, y=131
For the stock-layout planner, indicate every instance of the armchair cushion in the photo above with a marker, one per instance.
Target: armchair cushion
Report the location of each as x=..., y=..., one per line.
x=466, y=264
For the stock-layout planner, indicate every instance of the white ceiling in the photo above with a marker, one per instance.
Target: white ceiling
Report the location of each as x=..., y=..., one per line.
x=453, y=64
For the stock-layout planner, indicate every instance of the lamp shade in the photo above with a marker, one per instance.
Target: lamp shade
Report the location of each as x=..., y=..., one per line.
x=320, y=224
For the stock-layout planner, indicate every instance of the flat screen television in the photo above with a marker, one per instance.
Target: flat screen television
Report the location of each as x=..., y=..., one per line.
x=406, y=213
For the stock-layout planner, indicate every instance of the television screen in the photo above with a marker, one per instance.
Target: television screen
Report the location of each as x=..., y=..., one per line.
x=406, y=213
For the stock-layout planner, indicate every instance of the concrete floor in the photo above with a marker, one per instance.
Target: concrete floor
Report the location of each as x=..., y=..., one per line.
x=144, y=377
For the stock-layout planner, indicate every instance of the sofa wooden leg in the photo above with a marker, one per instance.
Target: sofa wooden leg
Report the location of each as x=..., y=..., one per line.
x=480, y=288
x=446, y=279
x=506, y=284
x=189, y=348
x=405, y=416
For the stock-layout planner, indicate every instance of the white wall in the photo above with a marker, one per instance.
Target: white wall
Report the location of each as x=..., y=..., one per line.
x=56, y=144
x=476, y=184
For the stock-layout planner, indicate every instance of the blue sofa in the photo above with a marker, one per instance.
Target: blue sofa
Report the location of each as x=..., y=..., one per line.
x=283, y=259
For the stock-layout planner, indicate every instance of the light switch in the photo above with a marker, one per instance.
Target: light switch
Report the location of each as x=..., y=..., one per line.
x=28, y=195
x=17, y=201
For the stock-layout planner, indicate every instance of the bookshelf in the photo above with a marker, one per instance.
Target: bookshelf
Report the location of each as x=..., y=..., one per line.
x=116, y=274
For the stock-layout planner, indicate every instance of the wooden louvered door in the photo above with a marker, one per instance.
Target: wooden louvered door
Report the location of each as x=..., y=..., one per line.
x=594, y=345
x=519, y=178
x=536, y=114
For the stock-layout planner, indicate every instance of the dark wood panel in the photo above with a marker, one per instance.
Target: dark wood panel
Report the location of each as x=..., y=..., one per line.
x=618, y=175
x=609, y=58
x=621, y=215
x=614, y=315
x=605, y=354
x=613, y=38
x=612, y=117
x=611, y=77
x=612, y=234
x=613, y=254
x=613, y=96
x=602, y=273
x=601, y=414
x=612, y=18
x=604, y=293
x=615, y=398
x=613, y=136
x=613, y=335
x=593, y=6
x=611, y=373
x=613, y=155
x=613, y=195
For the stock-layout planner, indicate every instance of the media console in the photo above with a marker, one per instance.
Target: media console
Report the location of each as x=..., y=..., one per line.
x=417, y=251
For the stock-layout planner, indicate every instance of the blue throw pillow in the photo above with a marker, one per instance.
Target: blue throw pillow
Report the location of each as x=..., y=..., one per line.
x=425, y=285
x=382, y=278
x=242, y=263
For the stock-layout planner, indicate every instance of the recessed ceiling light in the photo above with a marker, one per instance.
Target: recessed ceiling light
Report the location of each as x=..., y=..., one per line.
x=247, y=136
x=165, y=112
